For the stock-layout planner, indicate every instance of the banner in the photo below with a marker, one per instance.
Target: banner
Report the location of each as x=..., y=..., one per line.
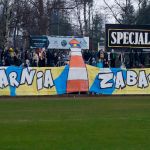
x=116, y=81
x=17, y=81
x=57, y=42
x=127, y=36
x=62, y=42
x=39, y=42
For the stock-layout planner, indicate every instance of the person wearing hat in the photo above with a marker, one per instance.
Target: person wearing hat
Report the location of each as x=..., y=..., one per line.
x=11, y=51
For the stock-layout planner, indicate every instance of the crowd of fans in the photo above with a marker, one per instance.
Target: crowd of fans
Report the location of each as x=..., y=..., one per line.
x=55, y=58
x=133, y=59
x=33, y=58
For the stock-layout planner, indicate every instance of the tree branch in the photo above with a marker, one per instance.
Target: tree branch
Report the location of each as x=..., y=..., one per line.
x=114, y=15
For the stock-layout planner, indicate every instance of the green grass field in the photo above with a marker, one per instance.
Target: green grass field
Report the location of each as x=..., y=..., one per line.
x=102, y=123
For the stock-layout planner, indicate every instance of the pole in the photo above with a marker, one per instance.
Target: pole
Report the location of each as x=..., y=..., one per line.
x=58, y=21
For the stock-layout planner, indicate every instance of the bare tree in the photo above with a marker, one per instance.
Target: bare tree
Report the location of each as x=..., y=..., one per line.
x=44, y=17
x=122, y=11
x=6, y=6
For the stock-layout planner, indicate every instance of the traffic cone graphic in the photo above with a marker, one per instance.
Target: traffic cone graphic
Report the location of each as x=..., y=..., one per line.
x=77, y=76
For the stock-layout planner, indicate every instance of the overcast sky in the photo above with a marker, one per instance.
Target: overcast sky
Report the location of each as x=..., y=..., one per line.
x=100, y=3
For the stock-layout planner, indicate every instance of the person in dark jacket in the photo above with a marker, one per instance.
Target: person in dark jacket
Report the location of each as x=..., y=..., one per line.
x=131, y=59
x=113, y=59
x=142, y=59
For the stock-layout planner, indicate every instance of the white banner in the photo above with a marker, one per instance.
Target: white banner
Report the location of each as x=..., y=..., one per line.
x=62, y=42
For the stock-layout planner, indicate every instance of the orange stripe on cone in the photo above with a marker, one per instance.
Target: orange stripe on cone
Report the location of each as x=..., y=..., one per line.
x=77, y=86
x=77, y=61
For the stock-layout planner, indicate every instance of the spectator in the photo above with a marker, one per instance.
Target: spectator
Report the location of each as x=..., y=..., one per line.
x=131, y=58
x=17, y=60
x=86, y=56
x=35, y=59
x=42, y=58
x=93, y=62
x=105, y=62
x=50, y=58
x=100, y=64
x=136, y=59
x=55, y=59
x=142, y=59
x=7, y=58
x=112, y=59
x=27, y=63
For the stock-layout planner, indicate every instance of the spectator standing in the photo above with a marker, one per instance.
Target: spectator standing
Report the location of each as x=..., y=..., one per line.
x=113, y=59
x=55, y=58
x=105, y=62
x=131, y=59
x=50, y=58
x=35, y=59
x=17, y=60
x=42, y=58
x=93, y=62
x=142, y=59
x=136, y=59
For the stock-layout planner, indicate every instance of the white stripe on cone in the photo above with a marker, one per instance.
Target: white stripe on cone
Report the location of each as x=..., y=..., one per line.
x=75, y=49
x=77, y=74
x=76, y=54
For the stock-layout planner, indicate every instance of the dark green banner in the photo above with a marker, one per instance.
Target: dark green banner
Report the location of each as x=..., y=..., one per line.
x=39, y=42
